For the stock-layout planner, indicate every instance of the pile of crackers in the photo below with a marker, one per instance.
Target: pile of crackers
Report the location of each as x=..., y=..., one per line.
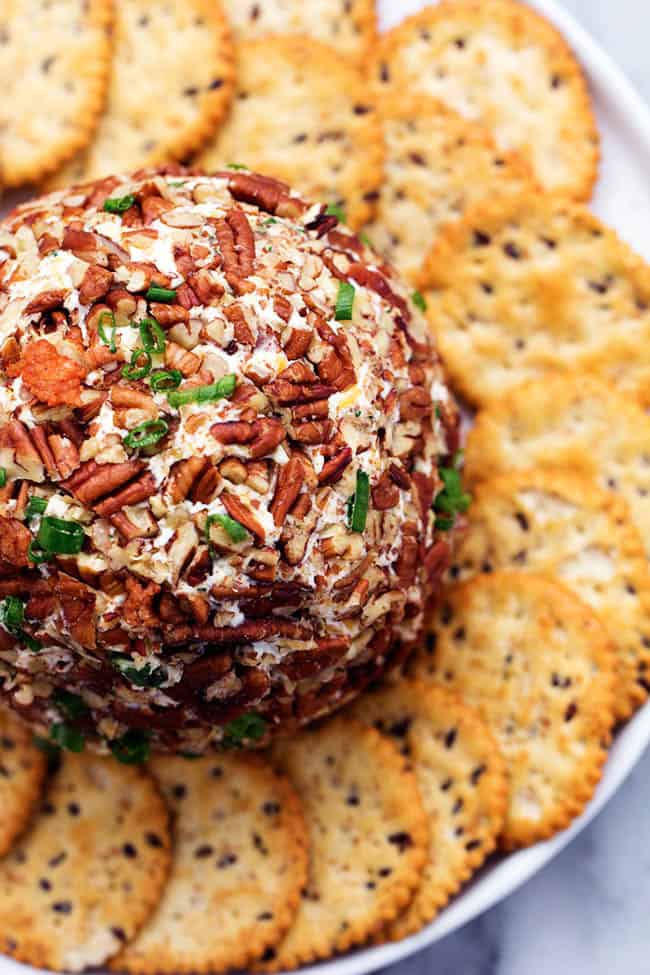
x=464, y=145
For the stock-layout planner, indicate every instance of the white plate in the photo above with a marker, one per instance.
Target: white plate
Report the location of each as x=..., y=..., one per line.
x=623, y=199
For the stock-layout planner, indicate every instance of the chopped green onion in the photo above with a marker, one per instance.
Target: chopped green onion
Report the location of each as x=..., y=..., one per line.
x=247, y=727
x=107, y=316
x=56, y=536
x=132, y=370
x=3, y=476
x=334, y=210
x=365, y=239
x=233, y=529
x=224, y=388
x=35, y=506
x=444, y=524
x=358, y=503
x=12, y=614
x=119, y=204
x=269, y=221
x=72, y=705
x=419, y=300
x=344, y=302
x=152, y=335
x=452, y=500
x=66, y=737
x=36, y=554
x=132, y=748
x=31, y=643
x=160, y=294
x=47, y=747
x=166, y=379
x=146, y=434
x=146, y=676
x=177, y=182
x=236, y=166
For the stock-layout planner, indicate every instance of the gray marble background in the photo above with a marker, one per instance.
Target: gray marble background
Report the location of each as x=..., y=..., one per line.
x=588, y=912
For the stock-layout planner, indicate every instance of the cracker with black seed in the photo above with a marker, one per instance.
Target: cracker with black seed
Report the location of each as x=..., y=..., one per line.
x=562, y=525
x=90, y=869
x=462, y=781
x=54, y=69
x=530, y=284
x=539, y=666
x=577, y=422
x=501, y=63
x=301, y=112
x=350, y=26
x=368, y=838
x=239, y=864
x=171, y=84
x=22, y=771
x=437, y=165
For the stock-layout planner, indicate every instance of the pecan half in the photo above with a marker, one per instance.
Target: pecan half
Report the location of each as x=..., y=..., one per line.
x=287, y=489
x=237, y=245
x=14, y=542
x=377, y=282
x=95, y=284
x=265, y=192
x=138, y=608
x=262, y=436
x=332, y=470
x=45, y=301
x=385, y=494
x=244, y=515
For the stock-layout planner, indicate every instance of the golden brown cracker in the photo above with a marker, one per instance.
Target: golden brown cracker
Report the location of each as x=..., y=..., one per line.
x=561, y=525
x=54, y=68
x=171, y=85
x=368, y=838
x=462, y=780
x=538, y=664
x=239, y=864
x=90, y=869
x=577, y=422
x=528, y=284
x=302, y=113
x=350, y=27
x=437, y=165
x=500, y=63
x=22, y=770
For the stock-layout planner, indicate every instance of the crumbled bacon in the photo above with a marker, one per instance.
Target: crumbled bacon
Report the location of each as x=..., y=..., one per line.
x=52, y=378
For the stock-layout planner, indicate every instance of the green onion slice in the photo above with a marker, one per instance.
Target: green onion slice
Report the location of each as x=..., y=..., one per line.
x=72, y=705
x=452, y=499
x=132, y=748
x=166, y=379
x=222, y=389
x=57, y=536
x=36, y=554
x=66, y=737
x=146, y=676
x=132, y=370
x=444, y=524
x=109, y=340
x=334, y=210
x=146, y=434
x=358, y=504
x=31, y=642
x=119, y=204
x=344, y=302
x=3, y=476
x=35, y=506
x=160, y=294
x=233, y=529
x=419, y=300
x=152, y=335
x=247, y=727
x=365, y=239
x=235, y=166
x=12, y=614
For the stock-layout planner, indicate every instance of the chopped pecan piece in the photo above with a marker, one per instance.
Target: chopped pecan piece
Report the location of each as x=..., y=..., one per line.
x=77, y=608
x=138, y=610
x=242, y=330
x=168, y=315
x=332, y=470
x=14, y=542
x=45, y=301
x=377, y=282
x=313, y=431
x=95, y=284
x=287, y=489
x=184, y=475
x=296, y=342
x=244, y=515
x=385, y=494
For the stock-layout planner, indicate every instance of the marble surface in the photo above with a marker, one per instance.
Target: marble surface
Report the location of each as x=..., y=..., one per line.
x=588, y=912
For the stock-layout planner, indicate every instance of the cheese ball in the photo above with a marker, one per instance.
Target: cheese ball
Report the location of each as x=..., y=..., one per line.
x=226, y=463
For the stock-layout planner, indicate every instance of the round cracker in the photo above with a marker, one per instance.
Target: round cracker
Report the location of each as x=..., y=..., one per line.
x=559, y=524
x=500, y=63
x=538, y=664
x=54, y=69
x=171, y=84
x=368, y=838
x=578, y=422
x=350, y=27
x=90, y=869
x=462, y=780
x=529, y=284
x=437, y=165
x=22, y=771
x=301, y=113
x=239, y=864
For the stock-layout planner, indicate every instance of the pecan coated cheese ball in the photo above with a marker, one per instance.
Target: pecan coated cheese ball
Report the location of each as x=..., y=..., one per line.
x=222, y=424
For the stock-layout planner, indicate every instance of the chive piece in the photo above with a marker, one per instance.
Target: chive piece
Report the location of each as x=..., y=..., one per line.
x=358, y=503
x=119, y=204
x=452, y=500
x=419, y=300
x=35, y=506
x=161, y=294
x=177, y=182
x=132, y=748
x=335, y=210
x=236, y=166
x=72, y=705
x=233, y=529
x=12, y=614
x=247, y=727
x=146, y=434
x=107, y=316
x=223, y=389
x=31, y=642
x=66, y=737
x=132, y=370
x=166, y=379
x=152, y=335
x=56, y=536
x=344, y=302
x=3, y=476
x=146, y=676
x=269, y=221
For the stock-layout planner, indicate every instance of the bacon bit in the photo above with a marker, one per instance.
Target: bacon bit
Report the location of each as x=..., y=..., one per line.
x=138, y=608
x=237, y=510
x=332, y=471
x=45, y=301
x=287, y=489
x=14, y=542
x=52, y=378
